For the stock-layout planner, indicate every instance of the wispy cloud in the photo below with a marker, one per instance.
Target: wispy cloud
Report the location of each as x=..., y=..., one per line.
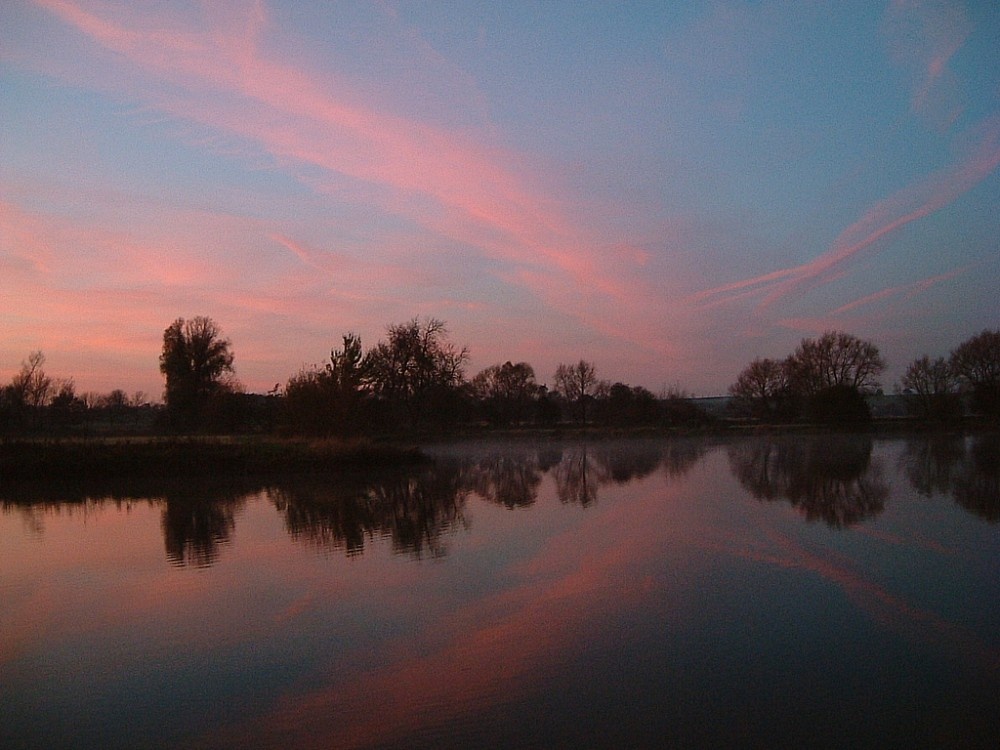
x=923, y=36
x=862, y=238
x=300, y=251
x=907, y=290
x=223, y=78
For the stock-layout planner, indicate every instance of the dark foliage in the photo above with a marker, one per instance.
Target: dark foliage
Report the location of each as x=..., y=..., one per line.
x=838, y=405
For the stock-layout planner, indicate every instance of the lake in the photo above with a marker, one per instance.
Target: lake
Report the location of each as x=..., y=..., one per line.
x=767, y=591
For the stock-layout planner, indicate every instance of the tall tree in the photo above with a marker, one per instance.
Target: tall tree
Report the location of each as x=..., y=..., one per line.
x=977, y=363
x=195, y=360
x=576, y=383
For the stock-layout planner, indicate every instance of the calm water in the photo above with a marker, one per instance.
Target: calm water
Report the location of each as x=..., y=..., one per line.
x=810, y=592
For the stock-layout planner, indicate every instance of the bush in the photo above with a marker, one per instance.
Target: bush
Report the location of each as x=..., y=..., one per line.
x=839, y=404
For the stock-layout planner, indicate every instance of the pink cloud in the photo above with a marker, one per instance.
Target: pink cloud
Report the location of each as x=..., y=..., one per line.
x=909, y=290
x=885, y=607
x=299, y=250
x=303, y=118
x=923, y=36
x=496, y=643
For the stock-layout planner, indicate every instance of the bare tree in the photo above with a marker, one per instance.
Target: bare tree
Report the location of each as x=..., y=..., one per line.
x=761, y=387
x=977, y=363
x=31, y=386
x=933, y=385
x=417, y=368
x=835, y=359
x=576, y=383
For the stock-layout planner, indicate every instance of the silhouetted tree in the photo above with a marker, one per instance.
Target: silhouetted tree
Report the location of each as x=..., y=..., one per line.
x=29, y=390
x=831, y=373
x=114, y=404
x=31, y=385
x=977, y=363
x=679, y=410
x=576, y=383
x=194, y=361
x=835, y=358
x=546, y=408
x=309, y=402
x=620, y=404
x=839, y=404
x=417, y=371
x=328, y=400
x=506, y=391
x=66, y=410
x=762, y=389
x=348, y=370
x=933, y=388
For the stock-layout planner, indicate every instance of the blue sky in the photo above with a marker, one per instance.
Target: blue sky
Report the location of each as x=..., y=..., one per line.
x=667, y=190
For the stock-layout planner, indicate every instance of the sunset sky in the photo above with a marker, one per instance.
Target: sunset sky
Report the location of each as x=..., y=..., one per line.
x=667, y=189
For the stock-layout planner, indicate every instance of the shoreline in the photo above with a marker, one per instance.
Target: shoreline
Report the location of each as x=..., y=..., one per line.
x=27, y=458
x=193, y=456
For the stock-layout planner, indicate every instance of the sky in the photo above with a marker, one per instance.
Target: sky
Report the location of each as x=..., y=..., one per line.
x=667, y=190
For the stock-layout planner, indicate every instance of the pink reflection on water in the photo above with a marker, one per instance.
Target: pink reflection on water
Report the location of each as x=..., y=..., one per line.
x=882, y=605
x=492, y=651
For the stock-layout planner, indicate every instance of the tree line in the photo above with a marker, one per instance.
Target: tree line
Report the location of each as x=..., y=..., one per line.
x=827, y=379
x=415, y=379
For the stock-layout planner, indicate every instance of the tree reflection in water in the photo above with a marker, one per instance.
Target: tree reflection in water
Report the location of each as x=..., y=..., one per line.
x=832, y=478
x=197, y=518
x=577, y=477
x=411, y=508
x=929, y=462
x=508, y=478
x=584, y=468
x=195, y=527
x=414, y=508
x=826, y=477
x=966, y=468
x=679, y=456
x=621, y=463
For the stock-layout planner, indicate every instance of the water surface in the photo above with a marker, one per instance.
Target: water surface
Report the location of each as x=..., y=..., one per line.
x=831, y=591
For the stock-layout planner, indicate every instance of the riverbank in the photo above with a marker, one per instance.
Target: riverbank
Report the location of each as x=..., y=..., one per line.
x=256, y=456
x=192, y=456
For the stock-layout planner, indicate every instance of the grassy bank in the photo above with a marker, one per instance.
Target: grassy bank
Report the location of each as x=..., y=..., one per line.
x=192, y=456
